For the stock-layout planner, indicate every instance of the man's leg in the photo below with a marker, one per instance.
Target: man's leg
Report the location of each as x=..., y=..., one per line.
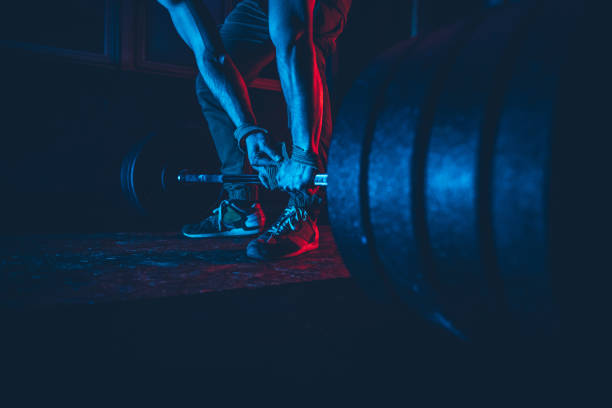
x=329, y=20
x=246, y=39
x=307, y=97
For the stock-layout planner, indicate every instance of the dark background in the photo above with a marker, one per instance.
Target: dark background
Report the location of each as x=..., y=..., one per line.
x=84, y=81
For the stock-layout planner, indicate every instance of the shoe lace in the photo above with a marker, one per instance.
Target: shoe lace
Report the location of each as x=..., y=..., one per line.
x=220, y=211
x=286, y=221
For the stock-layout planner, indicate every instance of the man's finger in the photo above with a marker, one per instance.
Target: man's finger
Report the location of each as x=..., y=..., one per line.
x=261, y=161
x=278, y=181
x=264, y=181
x=271, y=152
x=260, y=175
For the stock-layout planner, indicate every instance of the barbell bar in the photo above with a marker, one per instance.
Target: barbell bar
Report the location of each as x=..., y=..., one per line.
x=188, y=177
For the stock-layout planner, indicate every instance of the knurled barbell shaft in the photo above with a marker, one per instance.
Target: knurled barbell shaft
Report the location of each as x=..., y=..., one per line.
x=186, y=177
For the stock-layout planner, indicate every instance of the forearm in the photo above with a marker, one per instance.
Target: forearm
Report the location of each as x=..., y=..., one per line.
x=302, y=86
x=197, y=28
x=226, y=83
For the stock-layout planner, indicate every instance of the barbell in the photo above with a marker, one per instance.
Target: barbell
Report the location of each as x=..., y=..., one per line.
x=186, y=177
x=153, y=180
x=449, y=188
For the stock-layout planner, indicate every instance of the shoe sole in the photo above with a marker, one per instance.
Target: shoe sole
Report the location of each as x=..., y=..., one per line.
x=238, y=232
x=300, y=251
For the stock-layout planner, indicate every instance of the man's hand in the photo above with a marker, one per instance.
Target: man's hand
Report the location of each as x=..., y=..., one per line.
x=262, y=155
x=294, y=176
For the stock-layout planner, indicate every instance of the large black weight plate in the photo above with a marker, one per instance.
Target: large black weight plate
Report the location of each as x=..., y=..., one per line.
x=348, y=212
x=521, y=176
x=440, y=186
x=396, y=148
x=128, y=167
x=454, y=172
x=148, y=175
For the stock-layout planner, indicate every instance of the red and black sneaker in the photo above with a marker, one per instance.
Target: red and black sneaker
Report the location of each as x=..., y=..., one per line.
x=294, y=233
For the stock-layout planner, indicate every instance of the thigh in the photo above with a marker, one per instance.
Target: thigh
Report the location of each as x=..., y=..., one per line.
x=246, y=38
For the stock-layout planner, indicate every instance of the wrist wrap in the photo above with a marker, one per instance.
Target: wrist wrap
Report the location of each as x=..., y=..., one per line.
x=304, y=157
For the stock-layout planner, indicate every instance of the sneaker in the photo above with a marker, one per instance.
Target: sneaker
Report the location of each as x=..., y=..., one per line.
x=294, y=233
x=228, y=219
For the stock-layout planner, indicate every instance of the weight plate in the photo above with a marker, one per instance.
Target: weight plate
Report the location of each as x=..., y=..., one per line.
x=148, y=175
x=521, y=172
x=396, y=148
x=454, y=170
x=346, y=181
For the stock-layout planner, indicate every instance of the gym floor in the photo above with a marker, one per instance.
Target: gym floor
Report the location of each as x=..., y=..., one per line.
x=137, y=309
x=143, y=305
x=56, y=269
